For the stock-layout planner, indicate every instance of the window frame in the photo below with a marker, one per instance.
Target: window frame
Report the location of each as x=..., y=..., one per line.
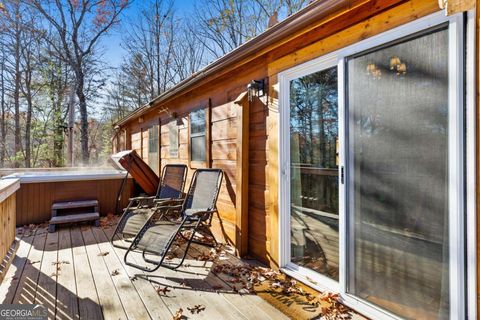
x=207, y=134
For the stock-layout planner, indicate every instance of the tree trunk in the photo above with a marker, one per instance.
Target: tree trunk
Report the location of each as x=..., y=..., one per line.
x=16, y=90
x=82, y=102
x=28, y=121
x=28, y=130
x=3, y=131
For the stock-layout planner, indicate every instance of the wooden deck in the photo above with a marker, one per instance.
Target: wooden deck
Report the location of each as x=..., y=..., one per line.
x=78, y=274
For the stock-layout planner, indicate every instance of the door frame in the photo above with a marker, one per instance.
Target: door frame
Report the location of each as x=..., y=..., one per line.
x=461, y=157
x=315, y=279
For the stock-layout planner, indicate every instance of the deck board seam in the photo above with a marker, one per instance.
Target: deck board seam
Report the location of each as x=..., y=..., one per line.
x=123, y=267
x=116, y=251
x=111, y=280
x=22, y=268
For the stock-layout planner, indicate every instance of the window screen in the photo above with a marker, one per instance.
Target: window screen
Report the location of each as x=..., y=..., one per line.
x=198, y=135
x=173, y=138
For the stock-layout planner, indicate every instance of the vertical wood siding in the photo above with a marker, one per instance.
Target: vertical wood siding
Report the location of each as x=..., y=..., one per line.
x=34, y=200
x=7, y=234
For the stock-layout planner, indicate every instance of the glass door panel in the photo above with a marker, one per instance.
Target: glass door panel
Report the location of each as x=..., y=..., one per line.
x=397, y=100
x=314, y=172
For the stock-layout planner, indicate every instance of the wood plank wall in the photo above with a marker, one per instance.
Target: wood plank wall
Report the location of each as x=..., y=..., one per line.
x=7, y=234
x=355, y=24
x=7, y=224
x=34, y=200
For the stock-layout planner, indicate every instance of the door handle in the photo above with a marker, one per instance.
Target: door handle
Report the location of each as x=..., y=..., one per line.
x=342, y=175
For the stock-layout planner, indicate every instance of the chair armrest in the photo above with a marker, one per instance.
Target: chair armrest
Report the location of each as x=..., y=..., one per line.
x=167, y=200
x=141, y=198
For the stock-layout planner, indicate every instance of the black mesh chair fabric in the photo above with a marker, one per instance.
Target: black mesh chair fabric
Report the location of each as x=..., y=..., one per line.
x=203, y=191
x=173, y=182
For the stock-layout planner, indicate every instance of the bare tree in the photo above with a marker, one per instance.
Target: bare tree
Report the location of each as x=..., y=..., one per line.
x=3, y=105
x=80, y=26
x=189, y=54
x=149, y=41
x=223, y=25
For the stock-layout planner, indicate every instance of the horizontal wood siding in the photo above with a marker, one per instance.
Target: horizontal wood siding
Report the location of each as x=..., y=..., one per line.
x=361, y=20
x=34, y=200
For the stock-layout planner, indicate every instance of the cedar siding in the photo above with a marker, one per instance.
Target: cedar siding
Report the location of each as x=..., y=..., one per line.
x=351, y=23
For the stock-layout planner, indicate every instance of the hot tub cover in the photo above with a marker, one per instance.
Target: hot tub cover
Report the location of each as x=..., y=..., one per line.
x=138, y=169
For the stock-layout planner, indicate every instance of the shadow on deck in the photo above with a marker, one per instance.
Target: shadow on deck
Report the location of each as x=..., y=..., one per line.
x=78, y=274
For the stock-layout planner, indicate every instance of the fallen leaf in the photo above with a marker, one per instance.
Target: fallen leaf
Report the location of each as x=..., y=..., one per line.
x=178, y=315
x=115, y=272
x=103, y=253
x=196, y=309
x=164, y=290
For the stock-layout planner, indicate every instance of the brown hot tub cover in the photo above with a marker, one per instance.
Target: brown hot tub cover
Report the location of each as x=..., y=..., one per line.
x=138, y=169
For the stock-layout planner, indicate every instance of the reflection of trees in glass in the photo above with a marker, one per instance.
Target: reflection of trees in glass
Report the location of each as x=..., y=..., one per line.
x=314, y=175
x=314, y=133
x=313, y=117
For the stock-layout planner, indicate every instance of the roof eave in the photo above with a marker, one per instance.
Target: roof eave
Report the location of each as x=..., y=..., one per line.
x=297, y=21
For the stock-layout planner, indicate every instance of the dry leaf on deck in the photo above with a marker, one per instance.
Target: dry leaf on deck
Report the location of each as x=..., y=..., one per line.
x=178, y=315
x=196, y=309
x=115, y=272
x=103, y=253
x=162, y=290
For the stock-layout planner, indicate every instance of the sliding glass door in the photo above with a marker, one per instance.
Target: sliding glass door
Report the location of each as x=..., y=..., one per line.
x=372, y=172
x=397, y=99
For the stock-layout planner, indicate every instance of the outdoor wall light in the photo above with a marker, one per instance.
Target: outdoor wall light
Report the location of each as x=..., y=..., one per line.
x=256, y=88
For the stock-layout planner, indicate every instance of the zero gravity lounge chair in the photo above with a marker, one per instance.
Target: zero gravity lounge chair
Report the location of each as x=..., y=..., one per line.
x=158, y=236
x=141, y=209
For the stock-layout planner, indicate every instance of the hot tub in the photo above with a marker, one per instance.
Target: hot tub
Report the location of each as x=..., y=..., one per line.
x=57, y=176
x=40, y=189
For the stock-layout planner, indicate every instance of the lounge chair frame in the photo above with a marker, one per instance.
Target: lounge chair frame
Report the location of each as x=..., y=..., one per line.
x=191, y=219
x=154, y=203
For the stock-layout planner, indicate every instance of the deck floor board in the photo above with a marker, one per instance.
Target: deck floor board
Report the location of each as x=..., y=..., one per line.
x=93, y=282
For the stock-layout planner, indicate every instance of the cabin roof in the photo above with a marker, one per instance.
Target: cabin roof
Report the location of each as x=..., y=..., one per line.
x=313, y=12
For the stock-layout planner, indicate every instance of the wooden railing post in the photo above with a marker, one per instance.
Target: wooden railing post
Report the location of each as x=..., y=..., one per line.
x=241, y=203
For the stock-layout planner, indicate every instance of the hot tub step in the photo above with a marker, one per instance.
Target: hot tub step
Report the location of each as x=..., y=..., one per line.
x=71, y=218
x=74, y=204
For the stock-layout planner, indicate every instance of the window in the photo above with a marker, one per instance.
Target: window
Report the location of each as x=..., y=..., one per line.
x=198, y=138
x=173, y=139
x=153, y=148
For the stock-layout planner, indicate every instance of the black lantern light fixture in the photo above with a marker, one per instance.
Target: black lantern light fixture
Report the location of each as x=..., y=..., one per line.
x=256, y=88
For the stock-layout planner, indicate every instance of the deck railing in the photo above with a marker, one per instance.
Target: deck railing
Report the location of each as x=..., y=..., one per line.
x=8, y=189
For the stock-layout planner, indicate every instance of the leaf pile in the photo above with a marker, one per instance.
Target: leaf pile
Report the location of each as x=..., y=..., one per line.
x=334, y=310
x=246, y=278
x=108, y=221
x=32, y=229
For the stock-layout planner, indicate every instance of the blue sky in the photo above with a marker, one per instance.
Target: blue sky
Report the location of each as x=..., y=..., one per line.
x=112, y=43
